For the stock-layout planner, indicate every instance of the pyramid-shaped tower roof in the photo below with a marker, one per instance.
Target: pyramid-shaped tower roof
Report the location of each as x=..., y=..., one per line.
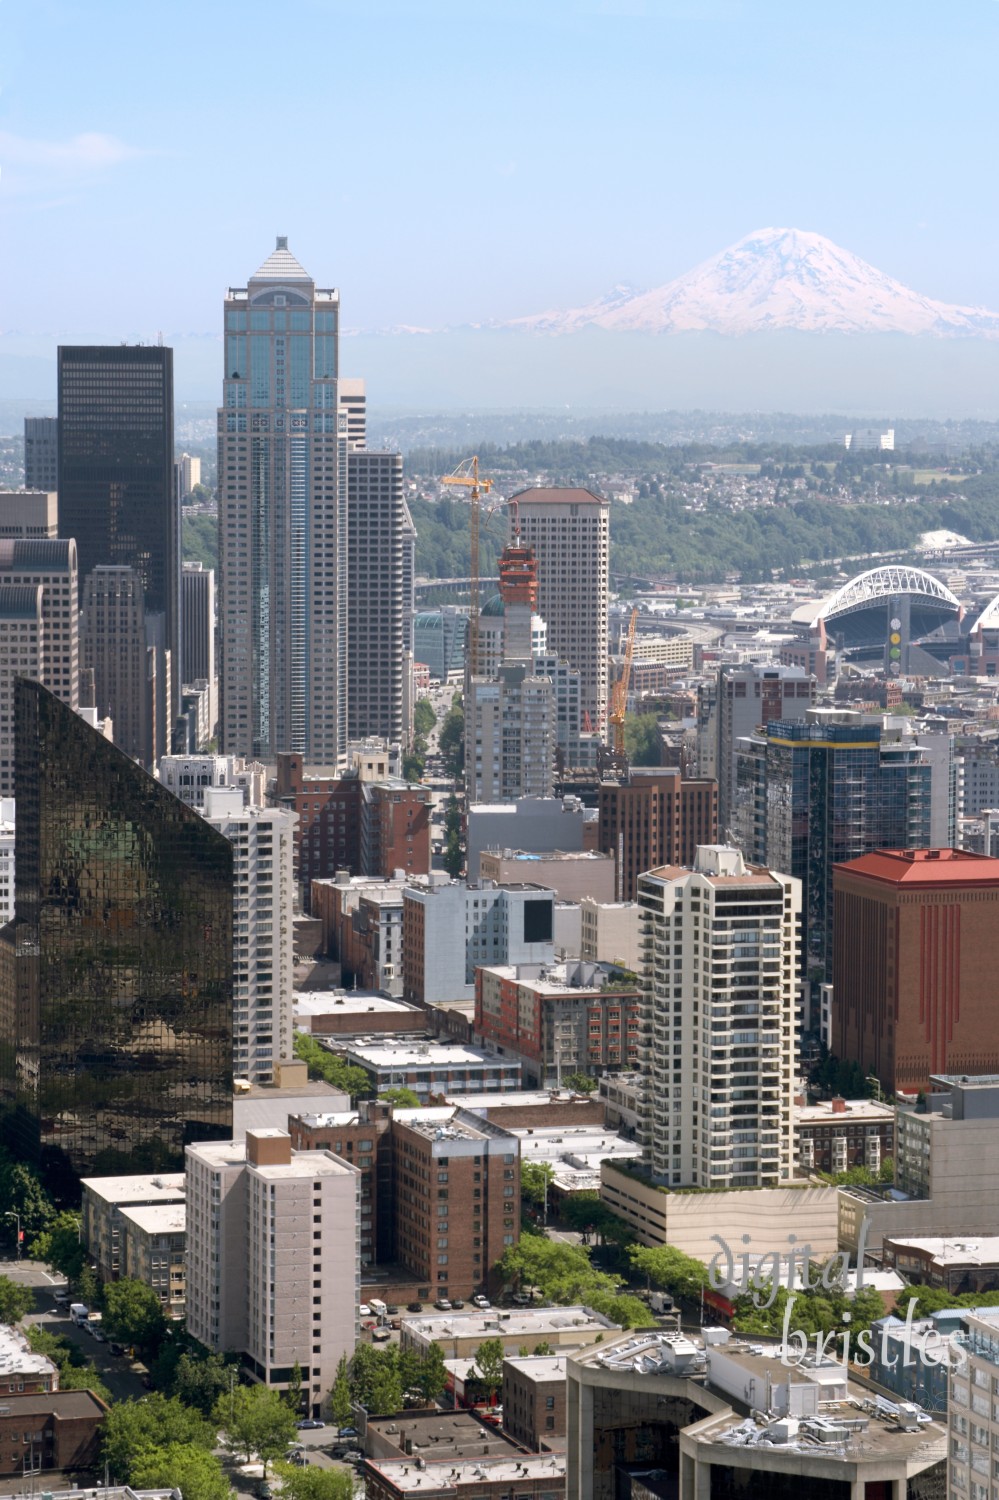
x=281, y=265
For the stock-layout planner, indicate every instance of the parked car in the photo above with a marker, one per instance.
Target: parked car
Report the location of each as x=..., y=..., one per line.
x=101, y=1338
x=480, y=1301
x=414, y=1306
x=349, y=1432
x=364, y=1310
x=457, y=1304
x=442, y=1304
x=392, y=1310
x=520, y=1299
x=116, y=1349
x=379, y=1335
x=310, y=1424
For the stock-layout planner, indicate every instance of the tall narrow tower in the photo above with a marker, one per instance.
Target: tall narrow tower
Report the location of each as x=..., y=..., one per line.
x=283, y=518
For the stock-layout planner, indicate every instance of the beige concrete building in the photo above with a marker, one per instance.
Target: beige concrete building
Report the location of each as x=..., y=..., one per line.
x=569, y=532
x=688, y=1220
x=460, y=1333
x=155, y=1241
x=973, y=1408
x=273, y=1258
x=572, y=874
x=27, y=513
x=611, y=931
x=106, y=1199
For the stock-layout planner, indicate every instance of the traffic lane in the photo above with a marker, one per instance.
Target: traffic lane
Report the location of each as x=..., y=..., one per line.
x=122, y=1379
x=33, y=1273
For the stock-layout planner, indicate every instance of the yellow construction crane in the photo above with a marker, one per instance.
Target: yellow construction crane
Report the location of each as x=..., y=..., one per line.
x=467, y=474
x=619, y=692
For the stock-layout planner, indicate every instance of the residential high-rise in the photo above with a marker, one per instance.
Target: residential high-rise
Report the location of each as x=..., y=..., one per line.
x=913, y=976
x=116, y=490
x=283, y=508
x=814, y=794
x=568, y=531
x=39, y=629
x=721, y=976
x=263, y=949
x=654, y=816
x=21, y=655
x=273, y=1259
x=119, y=1051
x=115, y=646
x=746, y=698
x=186, y=474
x=376, y=607
x=41, y=453
x=197, y=647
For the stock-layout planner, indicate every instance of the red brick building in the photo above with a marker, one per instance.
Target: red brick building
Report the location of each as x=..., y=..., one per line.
x=914, y=964
x=55, y=1430
x=655, y=818
x=534, y=1394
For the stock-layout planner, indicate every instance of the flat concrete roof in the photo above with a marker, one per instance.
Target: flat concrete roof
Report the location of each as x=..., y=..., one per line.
x=63, y=1403
x=474, y=1473
x=158, y=1218
x=530, y=1321
x=539, y=1367
x=164, y=1187
x=346, y=1002
x=387, y=1052
x=442, y=1435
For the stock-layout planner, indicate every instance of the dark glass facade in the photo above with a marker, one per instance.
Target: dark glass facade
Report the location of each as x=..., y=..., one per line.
x=116, y=1004
x=116, y=492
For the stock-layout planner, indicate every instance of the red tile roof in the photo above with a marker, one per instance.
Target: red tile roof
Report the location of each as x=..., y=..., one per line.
x=929, y=867
x=544, y=495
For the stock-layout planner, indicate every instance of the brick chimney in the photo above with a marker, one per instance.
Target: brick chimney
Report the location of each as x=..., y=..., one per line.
x=838, y=1105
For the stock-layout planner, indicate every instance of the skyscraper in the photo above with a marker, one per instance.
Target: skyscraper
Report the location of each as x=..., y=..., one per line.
x=41, y=453
x=39, y=629
x=376, y=606
x=283, y=518
x=721, y=975
x=569, y=533
x=747, y=696
x=119, y=1050
x=116, y=491
x=115, y=649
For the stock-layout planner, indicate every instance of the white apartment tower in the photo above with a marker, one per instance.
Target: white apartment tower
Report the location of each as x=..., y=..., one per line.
x=376, y=604
x=263, y=946
x=720, y=948
x=569, y=533
x=273, y=1258
x=283, y=518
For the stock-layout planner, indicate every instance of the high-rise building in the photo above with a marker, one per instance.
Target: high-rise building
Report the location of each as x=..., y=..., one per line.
x=197, y=647
x=721, y=976
x=39, y=629
x=273, y=1263
x=21, y=655
x=29, y=513
x=376, y=607
x=745, y=699
x=116, y=490
x=122, y=947
x=283, y=507
x=190, y=776
x=654, y=816
x=913, y=982
x=41, y=453
x=568, y=531
x=116, y=647
x=814, y=794
x=186, y=474
x=263, y=948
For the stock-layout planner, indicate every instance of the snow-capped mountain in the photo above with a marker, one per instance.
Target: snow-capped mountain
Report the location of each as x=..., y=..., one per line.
x=775, y=279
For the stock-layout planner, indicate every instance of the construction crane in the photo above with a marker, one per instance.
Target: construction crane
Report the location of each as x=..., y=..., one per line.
x=619, y=692
x=467, y=474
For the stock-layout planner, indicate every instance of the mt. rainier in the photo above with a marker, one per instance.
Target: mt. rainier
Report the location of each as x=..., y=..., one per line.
x=774, y=279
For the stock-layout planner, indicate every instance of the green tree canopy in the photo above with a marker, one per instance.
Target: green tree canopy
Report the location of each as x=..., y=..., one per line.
x=489, y=1361
x=431, y=1377
x=134, y=1427
x=375, y=1378
x=580, y=1083
x=256, y=1420
x=133, y=1313
x=199, y=1380
x=335, y=1070
x=341, y=1397
x=536, y=1178
x=642, y=740
x=669, y=1269
x=424, y=717
x=59, y=1245
x=16, y=1301
x=22, y=1194
x=311, y=1483
x=451, y=741
x=563, y=1273
x=196, y=1474
x=401, y=1097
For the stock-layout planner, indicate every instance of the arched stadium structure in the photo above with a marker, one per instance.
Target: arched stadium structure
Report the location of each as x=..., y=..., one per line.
x=858, y=616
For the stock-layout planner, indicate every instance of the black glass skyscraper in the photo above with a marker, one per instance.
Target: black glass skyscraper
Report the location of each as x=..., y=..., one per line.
x=116, y=973
x=116, y=491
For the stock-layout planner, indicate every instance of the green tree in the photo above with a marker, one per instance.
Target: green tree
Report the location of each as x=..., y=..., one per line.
x=16, y=1301
x=561, y=1272
x=157, y=1421
x=200, y=1380
x=293, y=1394
x=642, y=740
x=335, y=1070
x=453, y=856
x=424, y=717
x=543, y=1348
x=59, y=1245
x=375, y=1378
x=413, y=763
x=134, y=1313
x=256, y=1419
x=196, y=1474
x=313, y=1483
x=489, y=1359
x=88, y=1288
x=669, y=1269
x=83, y=1378
x=536, y=1178
x=451, y=740
x=341, y=1400
x=580, y=1083
x=402, y=1098
x=431, y=1378
x=629, y=1311
x=22, y=1194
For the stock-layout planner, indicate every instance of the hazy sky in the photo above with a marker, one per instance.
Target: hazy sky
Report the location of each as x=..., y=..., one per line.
x=447, y=162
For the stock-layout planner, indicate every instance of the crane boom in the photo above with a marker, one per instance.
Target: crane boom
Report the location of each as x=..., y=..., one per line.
x=619, y=692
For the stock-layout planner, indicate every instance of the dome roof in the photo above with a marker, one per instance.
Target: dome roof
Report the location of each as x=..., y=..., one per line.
x=492, y=609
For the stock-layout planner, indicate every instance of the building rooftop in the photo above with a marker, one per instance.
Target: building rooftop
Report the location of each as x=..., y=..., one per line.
x=568, y=856
x=539, y=1367
x=472, y=1473
x=518, y=1099
x=529, y=1321
x=346, y=1003
x=310, y=1088
x=17, y=1356
x=449, y=1129
x=64, y=1403
x=929, y=867
x=961, y=1250
x=158, y=1218
x=443, y=1435
x=823, y=1112
x=573, y=977
x=545, y=495
x=166, y=1187
x=281, y=265
x=399, y=1052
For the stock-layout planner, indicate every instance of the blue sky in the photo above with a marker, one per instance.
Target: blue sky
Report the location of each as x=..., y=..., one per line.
x=444, y=162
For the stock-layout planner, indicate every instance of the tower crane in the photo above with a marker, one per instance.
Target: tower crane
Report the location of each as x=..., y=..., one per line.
x=467, y=475
x=619, y=692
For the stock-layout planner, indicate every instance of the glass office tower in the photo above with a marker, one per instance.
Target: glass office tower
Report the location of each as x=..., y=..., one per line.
x=116, y=973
